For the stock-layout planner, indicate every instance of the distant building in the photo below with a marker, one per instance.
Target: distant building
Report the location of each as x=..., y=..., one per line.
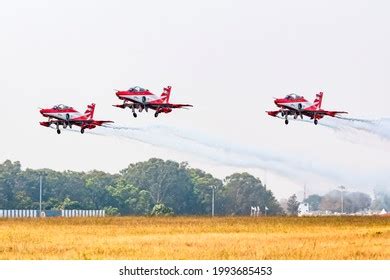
x=303, y=209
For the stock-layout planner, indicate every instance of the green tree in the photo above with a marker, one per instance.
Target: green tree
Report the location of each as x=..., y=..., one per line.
x=203, y=183
x=130, y=200
x=162, y=210
x=357, y=201
x=242, y=190
x=9, y=180
x=68, y=204
x=314, y=202
x=352, y=201
x=111, y=211
x=168, y=183
x=381, y=200
x=96, y=184
x=22, y=200
x=332, y=201
x=292, y=205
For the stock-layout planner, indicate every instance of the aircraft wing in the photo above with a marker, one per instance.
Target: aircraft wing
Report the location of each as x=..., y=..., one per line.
x=153, y=105
x=99, y=123
x=55, y=122
x=308, y=113
x=74, y=122
x=169, y=105
x=273, y=113
x=332, y=113
x=123, y=106
x=322, y=113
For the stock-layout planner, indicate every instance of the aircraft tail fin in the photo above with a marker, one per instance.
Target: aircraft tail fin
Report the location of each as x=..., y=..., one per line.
x=166, y=94
x=90, y=111
x=318, y=100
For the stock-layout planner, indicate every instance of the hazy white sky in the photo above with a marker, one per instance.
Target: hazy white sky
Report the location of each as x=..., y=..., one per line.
x=227, y=58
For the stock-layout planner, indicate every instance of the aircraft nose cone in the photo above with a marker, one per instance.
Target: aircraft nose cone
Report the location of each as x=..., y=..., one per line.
x=43, y=111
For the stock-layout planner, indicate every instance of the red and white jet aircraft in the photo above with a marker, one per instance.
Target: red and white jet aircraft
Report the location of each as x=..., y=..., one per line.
x=67, y=116
x=295, y=105
x=137, y=98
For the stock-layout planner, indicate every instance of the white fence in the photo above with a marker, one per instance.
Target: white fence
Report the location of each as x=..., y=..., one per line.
x=82, y=213
x=19, y=213
x=255, y=211
x=62, y=213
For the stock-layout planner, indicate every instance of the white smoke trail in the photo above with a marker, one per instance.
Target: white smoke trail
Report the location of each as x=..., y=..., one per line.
x=296, y=167
x=290, y=165
x=376, y=127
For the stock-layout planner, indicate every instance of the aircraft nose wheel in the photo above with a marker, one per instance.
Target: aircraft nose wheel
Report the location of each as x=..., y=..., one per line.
x=82, y=131
x=156, y=114
x=286, y=122
x=315, y=122
x=58, y=131
x=134, y=115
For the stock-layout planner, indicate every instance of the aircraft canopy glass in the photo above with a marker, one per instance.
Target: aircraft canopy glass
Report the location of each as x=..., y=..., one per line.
x=137, y=89
x=61, y=107
x=292, y=96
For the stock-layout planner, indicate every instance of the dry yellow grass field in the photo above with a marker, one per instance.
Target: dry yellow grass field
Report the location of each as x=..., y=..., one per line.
x=196, y=238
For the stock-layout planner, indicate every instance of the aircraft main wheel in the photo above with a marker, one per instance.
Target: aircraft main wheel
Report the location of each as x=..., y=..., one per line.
x=134, y=115
x=286, y=122
x=300, y=106
x=58, y=131
x=82, y=131
x=67, y=117
x=156, y=114
x=315, y=122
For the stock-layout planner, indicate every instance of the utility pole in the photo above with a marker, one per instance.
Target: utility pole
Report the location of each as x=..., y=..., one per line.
x=40, y=195
x=342, y=188
x=212, y=200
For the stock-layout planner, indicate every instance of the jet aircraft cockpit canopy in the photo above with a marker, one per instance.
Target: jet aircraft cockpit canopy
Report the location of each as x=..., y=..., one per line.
x=137, y=89
x=61, y=107
x=292, y=96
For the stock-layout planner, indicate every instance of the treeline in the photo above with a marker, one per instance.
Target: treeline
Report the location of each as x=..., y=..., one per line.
x=151, y=187
x=349, y=202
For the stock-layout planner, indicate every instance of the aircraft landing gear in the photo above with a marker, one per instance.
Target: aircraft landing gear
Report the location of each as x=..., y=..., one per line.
x=315, y=121
x=82, y=131
x=286, y=118
x=156, y=114
x=58, y=128
x=133, y=111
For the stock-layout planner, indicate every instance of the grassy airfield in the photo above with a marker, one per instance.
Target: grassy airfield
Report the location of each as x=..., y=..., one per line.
x=183, y=238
